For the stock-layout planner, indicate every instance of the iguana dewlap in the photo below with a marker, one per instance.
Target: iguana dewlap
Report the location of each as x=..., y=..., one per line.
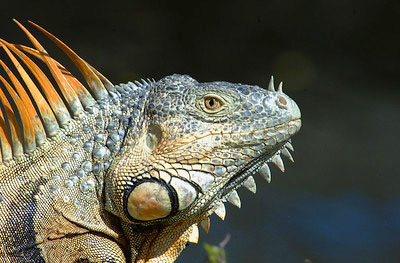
x=124, y=173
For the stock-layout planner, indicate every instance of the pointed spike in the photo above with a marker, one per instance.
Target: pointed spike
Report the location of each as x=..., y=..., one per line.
x=145, y=82
x=16, y=138
x=84, y=96
x=280, y=90
x=277, y=160
x=250, y=184
x=21, y=111
x=266, y=172
x=67, y=91
x=289, y=146
x=109, y=86
x=205, y=224
x=271, y=84
x=220, y=211
x=30, y=110
x=138, y=83
x=49, y=121
x=57, y=105
x=287, y=154
x=90, y=76
x=194, y=236
x=6, y=150
x=235, y=199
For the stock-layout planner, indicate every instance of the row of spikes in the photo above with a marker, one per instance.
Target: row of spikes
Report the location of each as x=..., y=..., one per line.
x=22, y=129
x=250, y=184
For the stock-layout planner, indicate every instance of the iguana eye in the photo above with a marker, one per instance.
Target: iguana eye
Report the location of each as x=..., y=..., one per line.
x=212, y=104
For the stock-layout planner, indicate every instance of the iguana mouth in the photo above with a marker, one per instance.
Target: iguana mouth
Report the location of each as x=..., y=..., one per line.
x=244, y=176
x=258, y=165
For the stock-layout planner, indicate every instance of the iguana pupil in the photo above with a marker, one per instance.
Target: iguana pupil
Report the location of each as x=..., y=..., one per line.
x=212, y=103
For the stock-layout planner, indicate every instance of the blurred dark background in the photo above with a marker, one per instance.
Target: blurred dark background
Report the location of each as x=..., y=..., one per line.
x=340, y=201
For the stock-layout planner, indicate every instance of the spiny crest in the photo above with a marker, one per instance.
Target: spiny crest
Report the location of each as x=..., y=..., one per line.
x=249, y=183
x=31, y=113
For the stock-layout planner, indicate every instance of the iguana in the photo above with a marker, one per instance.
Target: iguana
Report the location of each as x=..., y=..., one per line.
x=124, y=173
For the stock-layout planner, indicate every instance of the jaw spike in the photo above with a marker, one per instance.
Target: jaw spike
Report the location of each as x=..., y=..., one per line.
x=235, y=199
x=271, y=84
x=289, y=146
x=220, y=211
x=205, y=224
x=287, y=154
x=266, y=172
x=250, y=184
x=280, y=90
x=277, y=160
x=194, y=236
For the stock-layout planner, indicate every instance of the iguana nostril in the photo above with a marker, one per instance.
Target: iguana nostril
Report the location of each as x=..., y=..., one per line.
x=282, y=102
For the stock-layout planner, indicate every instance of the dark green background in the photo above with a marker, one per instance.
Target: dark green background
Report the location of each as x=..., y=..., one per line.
x=339, y=60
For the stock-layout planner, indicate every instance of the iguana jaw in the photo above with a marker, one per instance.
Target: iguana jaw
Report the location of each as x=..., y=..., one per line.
x=241, y=176
x=187, y=229
x=256, y=166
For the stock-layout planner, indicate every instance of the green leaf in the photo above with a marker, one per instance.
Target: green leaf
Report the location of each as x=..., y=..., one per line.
x=215, y=254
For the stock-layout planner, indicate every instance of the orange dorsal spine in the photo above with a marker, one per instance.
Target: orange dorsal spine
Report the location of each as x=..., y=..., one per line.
x=32, y=111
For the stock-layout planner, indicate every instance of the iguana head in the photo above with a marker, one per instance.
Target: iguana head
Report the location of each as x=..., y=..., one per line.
x=195, y=144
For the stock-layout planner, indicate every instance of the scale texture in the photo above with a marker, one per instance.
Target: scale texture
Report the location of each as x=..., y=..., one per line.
x=125, y=173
